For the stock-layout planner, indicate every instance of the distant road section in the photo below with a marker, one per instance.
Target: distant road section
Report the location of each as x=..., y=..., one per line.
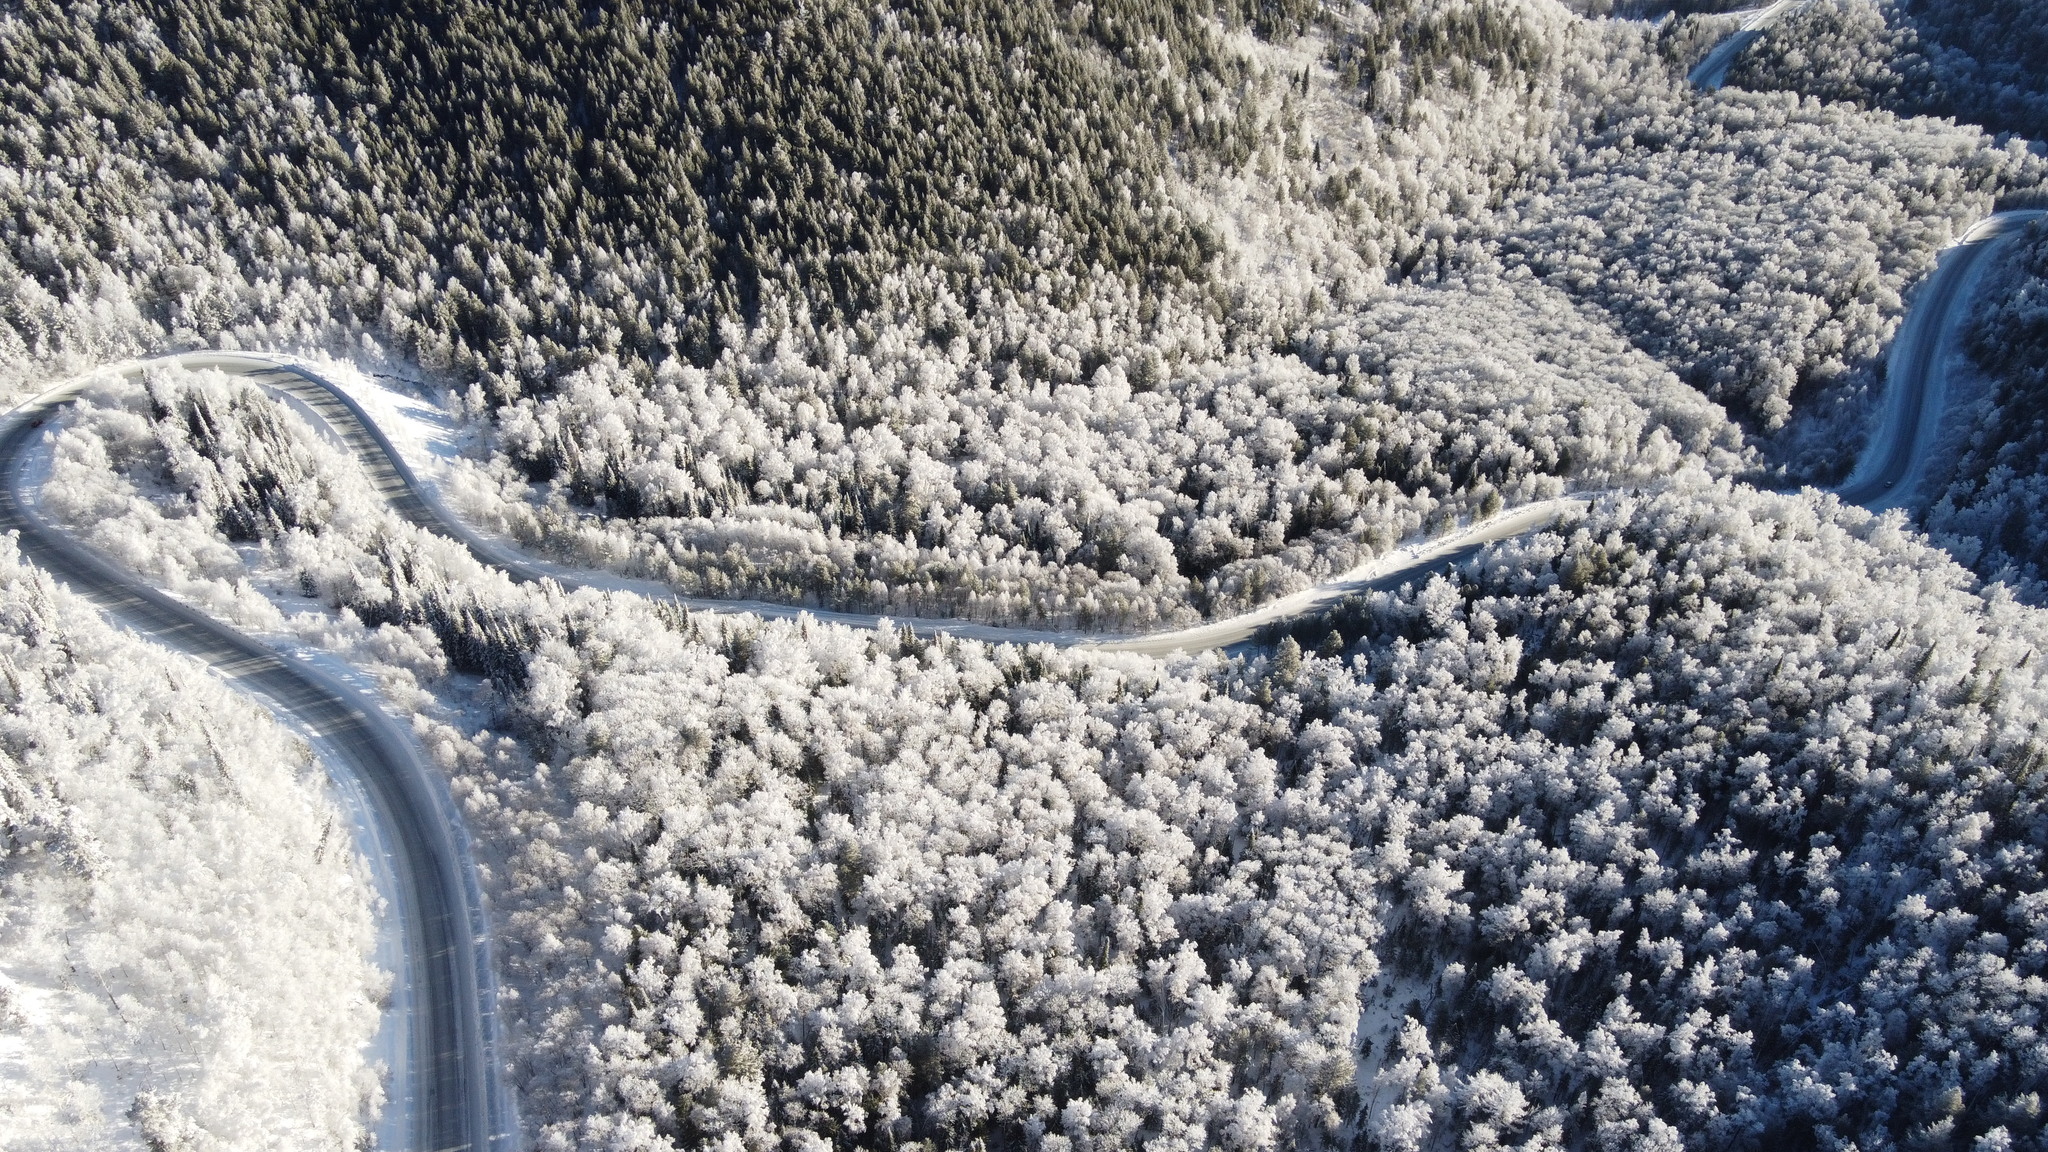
x=1916, y=385
x=1712, y=72
x=451, y=1096
x=1389, y=571
x=416, y=502
x=1916, y=382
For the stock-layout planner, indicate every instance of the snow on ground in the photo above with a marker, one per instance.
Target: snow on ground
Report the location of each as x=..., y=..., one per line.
x=423, y=427
x=186, y=940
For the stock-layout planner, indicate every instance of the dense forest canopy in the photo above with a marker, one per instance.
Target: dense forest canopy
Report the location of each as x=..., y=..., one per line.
x=662, y=166
x=696, y=156
x=1709, y=818
x=1703, y=820
x=1978, y=61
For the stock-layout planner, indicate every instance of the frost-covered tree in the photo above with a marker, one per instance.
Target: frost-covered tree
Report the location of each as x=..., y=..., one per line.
x=186, y=926
x=1989, y=509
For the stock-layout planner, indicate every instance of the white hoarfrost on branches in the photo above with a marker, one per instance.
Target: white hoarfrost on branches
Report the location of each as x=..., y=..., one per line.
x=1696, y=822
x=185, y=924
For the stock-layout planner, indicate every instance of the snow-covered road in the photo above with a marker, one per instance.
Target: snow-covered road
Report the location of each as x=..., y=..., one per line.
x=1916, y=380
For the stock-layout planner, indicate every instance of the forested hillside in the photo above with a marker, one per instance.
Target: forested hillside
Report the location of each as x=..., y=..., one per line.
x=1978, y=61
x=1022, y=197
x=1698, y=822
x=185, y=923
x=486, y=187
x=798, y=306
x=1118, y=501
x=1709, y=819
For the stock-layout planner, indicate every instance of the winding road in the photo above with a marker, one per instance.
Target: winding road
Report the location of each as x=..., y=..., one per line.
x=1886, y=472
x=1916, y=389
x=1712, y=71
x=416, y=501
x=454, y=1097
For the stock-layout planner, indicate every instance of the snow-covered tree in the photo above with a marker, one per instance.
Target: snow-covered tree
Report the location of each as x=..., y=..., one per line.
x=186, y=927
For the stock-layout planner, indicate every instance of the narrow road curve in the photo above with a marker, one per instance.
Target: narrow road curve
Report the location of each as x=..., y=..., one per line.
x=1712, y=71
x=454, y=1098
x=1916, y=387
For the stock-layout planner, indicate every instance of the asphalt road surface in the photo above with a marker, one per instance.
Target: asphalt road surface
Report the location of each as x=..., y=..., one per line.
x=454, y=1099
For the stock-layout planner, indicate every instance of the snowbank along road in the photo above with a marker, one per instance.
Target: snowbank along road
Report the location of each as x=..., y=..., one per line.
x=452, y=1097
